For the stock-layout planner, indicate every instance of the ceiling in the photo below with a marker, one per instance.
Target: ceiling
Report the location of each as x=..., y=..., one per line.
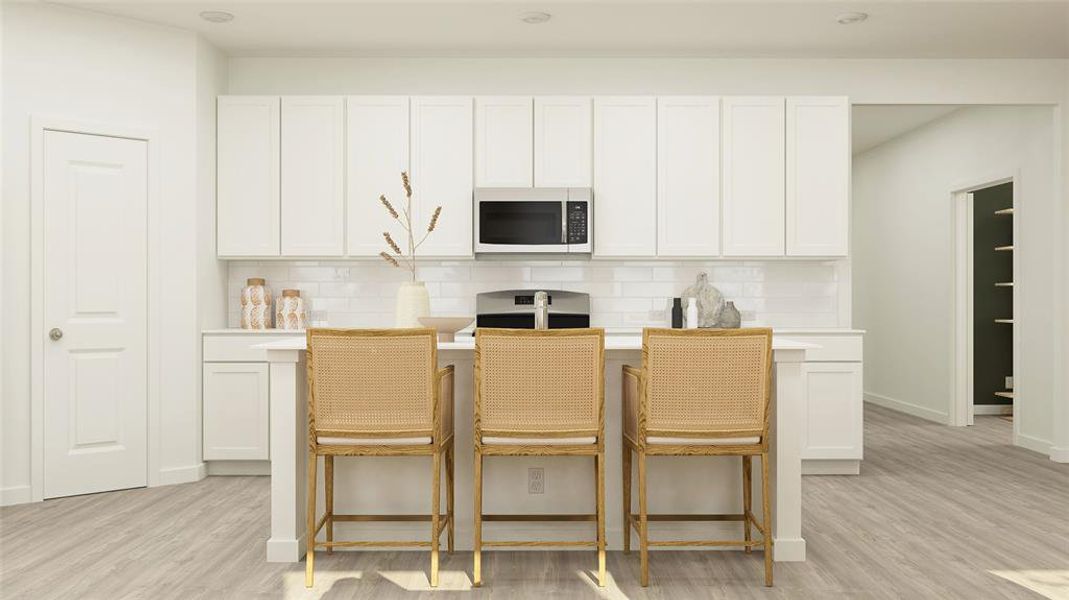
x=795, y=29
x=875, y=124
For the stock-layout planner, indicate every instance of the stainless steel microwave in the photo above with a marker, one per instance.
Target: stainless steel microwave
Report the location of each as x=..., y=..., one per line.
x=533, y=220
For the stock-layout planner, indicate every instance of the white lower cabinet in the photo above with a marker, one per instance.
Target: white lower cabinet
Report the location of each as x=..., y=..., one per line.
x=235, y=411
x=832, y=436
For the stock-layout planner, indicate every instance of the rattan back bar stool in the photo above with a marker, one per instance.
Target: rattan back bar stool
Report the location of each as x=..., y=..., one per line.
x=540, y=393
x=378, y=392
x=700, y=392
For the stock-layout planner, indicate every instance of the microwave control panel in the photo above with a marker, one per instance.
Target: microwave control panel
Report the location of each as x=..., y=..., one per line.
x=577, y=222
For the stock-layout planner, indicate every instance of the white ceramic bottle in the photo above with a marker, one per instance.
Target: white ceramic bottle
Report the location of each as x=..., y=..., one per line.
x=692, y=313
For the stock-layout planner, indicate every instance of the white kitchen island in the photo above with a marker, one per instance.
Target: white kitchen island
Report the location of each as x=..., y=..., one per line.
x=399, y=485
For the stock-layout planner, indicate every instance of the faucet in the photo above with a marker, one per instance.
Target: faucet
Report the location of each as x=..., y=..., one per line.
x=541, y=300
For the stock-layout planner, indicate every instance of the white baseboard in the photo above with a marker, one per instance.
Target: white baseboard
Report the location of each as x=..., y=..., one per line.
x=1032, y=443
x=19, y=494
x=830, y=467
x=189, y=474
x=227, y=468
x=992, y=409
x=907, y=407
x=1059, y=454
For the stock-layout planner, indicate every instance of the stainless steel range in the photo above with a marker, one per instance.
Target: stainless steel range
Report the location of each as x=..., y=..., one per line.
x=516, y=309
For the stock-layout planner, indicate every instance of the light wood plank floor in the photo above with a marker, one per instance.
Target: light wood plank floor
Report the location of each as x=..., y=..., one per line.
x=935, y=512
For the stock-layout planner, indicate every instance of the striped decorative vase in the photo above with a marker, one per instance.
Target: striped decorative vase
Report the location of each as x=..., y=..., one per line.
x=255, y=305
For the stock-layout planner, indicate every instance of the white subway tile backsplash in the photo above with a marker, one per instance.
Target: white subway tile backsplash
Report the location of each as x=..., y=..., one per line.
x=361, y=293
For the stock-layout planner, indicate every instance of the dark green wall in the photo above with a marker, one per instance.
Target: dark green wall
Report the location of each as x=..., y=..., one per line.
x=992, y=342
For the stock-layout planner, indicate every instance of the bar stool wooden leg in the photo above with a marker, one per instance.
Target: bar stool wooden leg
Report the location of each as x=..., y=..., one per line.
x=627, y=497
x=436, y=499
x=643, y=531
x=766, y=523
x=600, y=462
x=450, y=471
x=328, y=489
x=747, y=498
x=310, y=542
x=477, y=573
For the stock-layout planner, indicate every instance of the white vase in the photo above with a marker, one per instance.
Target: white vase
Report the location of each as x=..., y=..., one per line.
x=413, y=302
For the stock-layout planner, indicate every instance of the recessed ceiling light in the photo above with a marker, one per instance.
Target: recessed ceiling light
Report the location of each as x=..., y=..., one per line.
x=217, y=16
x=851, y=17
x=534, y=17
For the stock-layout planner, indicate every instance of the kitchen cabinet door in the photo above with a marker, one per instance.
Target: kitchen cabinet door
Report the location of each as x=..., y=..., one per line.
x=625, y=176
x=442, y=172
x=377, y=142
x=247, y=178
x=503, y=141
x=562, y=141
x=235, y=411
x=818, y=176
x=753, y=187
x=833, y=411
x=313, y=176
x=688, y=176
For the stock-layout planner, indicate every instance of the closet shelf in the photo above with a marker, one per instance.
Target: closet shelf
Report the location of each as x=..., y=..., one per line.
x=1005, y=395
x=1003, y=284
x=1003, y=248
x=1005, y=211
x=1009, y=321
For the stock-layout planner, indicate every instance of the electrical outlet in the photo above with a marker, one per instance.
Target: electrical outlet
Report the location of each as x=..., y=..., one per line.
x=536, y=480
x=1009, y=382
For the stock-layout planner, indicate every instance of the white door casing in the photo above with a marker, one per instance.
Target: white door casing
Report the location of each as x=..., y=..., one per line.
x=94, y=291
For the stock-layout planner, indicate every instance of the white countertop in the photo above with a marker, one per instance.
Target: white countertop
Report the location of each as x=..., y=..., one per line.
x=609, y=331
x=467, y=344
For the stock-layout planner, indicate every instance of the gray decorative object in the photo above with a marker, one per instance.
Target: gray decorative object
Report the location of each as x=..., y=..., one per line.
x=710, y=301
x=730, y=317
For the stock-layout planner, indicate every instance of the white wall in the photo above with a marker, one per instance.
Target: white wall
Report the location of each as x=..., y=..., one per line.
x=904, y=257
x=211, y=272
x=80, y=66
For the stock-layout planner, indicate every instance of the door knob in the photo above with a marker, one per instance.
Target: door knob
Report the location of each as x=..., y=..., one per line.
x=55, y=333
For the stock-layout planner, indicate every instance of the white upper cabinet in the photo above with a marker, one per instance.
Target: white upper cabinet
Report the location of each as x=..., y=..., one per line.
x=753, y=165
x=818, y=176
x=688, y=176
x=313, y=176
x=625, y=176
x=503, y=141
x=442, y=172
x=562, y=141
x=247, y=180
x=377, y=141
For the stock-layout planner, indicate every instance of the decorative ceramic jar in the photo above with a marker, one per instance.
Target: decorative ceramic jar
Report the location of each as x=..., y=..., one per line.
x=413, y=302
x=289, y=311
x=255, y=305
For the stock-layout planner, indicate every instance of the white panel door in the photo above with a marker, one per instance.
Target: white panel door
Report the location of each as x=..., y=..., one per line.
x=818, y=176
x=625, y=176
x=688, y=176
x=247, y=179
x=95, y=241
x=753, y=164
x=503, y=144
x=833, y=411
x=562, y=141
x=442, y=172
x=313, y=176
x=377, y=141
x=236, y=411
